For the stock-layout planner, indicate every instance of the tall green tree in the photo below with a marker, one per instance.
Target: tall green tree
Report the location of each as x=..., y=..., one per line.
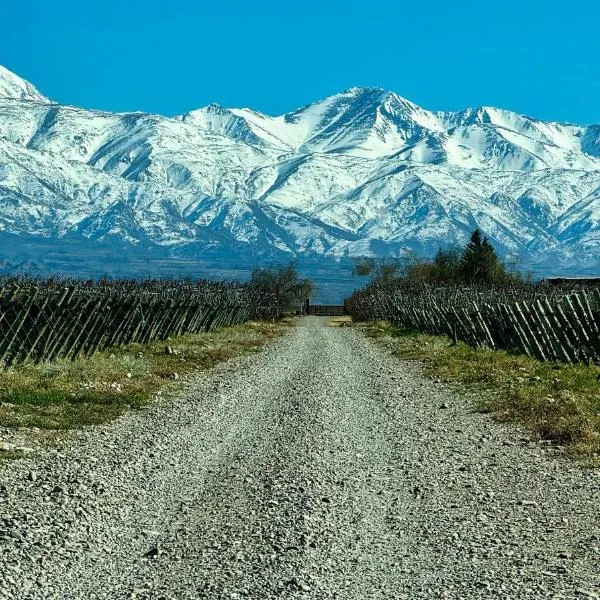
x=479, y=262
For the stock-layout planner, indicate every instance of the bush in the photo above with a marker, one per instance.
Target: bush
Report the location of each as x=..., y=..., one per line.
x=283, y=285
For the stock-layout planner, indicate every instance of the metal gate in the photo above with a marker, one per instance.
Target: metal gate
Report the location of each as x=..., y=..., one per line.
x=325, y=310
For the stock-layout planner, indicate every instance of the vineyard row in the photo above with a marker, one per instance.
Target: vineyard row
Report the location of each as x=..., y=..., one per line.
x=46, y=320
x=563, y=327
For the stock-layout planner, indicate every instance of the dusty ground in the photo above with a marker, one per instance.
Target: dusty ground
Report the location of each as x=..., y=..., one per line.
x=322, y=467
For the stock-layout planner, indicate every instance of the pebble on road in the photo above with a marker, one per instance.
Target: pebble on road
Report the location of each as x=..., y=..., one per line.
x=322, y=467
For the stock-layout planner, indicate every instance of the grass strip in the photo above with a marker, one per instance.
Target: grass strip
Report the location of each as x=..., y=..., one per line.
x=67, y=394
x=554, y=401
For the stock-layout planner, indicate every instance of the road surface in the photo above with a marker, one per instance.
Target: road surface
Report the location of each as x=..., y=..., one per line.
x=322, y=467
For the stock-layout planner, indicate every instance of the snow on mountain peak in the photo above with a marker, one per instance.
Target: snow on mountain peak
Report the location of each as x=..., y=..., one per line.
x=13, y=86
x=364, y=171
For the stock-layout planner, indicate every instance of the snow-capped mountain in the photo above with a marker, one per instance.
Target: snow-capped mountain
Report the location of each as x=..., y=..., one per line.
x=12, y=86
x=364, y=172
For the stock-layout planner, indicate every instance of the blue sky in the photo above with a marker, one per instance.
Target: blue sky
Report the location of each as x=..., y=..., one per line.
x=538, y=57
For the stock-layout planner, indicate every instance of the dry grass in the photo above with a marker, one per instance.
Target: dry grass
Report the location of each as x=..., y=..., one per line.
x=66, y=394
x=556, y=402
x=344, y=321
x=7, y=455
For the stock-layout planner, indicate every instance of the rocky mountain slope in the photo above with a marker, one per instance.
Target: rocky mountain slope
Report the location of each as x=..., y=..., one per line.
x=364, y=172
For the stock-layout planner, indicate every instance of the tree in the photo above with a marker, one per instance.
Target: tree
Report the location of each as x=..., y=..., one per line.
x=476, y=263
x=443, y=269
x=446, y=265
x=364, y=266
x=384, y=269
x=282, y=283
x=479, y=262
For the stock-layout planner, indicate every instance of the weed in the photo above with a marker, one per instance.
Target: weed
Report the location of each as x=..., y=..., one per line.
x=67, y=394
x=557, y=402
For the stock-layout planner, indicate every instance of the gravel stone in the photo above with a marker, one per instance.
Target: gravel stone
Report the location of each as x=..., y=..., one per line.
x=321, y=468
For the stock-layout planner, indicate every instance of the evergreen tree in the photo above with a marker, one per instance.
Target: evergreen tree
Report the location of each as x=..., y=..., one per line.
x=479, y=262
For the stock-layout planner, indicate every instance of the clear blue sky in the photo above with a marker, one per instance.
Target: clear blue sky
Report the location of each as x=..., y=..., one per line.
x=539, y=57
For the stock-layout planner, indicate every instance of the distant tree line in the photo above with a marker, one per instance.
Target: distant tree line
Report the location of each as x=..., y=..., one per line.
x=475, y=263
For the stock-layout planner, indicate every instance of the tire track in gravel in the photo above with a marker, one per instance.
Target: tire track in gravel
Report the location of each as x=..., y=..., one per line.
x=320, y=468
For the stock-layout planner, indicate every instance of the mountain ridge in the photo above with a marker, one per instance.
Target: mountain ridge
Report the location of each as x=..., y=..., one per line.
x=362, y=172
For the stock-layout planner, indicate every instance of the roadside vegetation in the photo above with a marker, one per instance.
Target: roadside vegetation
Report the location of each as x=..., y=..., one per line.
x=445, y=311
x=47, y=319
x=555, y=402
x=474, y=264
x=470, y=296
x=88, y=386
x=65, y=394
x=284, y=285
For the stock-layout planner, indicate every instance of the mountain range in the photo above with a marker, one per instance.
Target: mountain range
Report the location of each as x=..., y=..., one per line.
x=361, y=173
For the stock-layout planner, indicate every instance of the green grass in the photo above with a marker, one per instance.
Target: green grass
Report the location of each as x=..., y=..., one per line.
x=7, y=455
x=556, y=402
x=68, y=394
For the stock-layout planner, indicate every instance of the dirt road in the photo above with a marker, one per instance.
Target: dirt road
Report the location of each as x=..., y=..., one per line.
x=320, y=468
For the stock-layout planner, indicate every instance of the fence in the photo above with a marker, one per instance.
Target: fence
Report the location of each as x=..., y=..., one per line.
x=325, y=310
x=47, y=320
x=561, y=326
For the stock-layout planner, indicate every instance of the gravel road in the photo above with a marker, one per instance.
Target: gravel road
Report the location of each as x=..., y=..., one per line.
x=321, y=467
